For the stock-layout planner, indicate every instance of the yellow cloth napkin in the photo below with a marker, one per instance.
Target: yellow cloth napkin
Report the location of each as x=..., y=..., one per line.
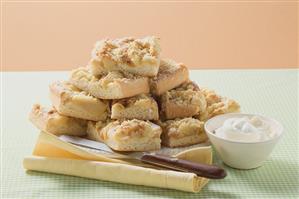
x=56, y=156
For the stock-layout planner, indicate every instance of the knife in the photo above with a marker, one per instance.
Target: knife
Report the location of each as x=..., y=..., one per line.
x=153, y=158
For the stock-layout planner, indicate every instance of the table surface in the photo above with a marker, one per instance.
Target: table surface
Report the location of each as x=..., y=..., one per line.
x=273, y=93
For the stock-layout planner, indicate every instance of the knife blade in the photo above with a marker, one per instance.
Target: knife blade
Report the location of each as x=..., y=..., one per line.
x=154, y=158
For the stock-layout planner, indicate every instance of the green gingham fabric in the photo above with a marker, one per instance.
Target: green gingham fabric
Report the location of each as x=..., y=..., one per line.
x=273, y=93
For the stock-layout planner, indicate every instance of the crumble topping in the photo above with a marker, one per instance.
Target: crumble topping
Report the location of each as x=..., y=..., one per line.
x=189, y=85
x=105, y=78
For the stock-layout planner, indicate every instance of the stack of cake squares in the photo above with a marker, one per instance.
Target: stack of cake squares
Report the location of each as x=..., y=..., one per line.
x=131, y=99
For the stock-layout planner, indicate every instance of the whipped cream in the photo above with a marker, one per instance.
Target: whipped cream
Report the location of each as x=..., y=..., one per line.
x=245, y=129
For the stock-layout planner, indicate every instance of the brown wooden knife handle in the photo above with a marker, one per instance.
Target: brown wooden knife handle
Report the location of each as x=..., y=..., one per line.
x=203, y=170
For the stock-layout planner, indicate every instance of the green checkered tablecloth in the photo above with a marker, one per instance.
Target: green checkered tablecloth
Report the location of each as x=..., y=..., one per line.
x=273, y=93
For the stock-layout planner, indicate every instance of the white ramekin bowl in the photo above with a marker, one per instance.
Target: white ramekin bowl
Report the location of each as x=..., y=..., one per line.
x=242, y=155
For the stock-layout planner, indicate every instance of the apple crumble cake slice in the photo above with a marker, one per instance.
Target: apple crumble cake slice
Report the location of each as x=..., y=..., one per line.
x=136, y=56
x=128, y=135
x=170, y=75
x=113, y=85
x=185, y=100
x=70, y=101
x=49, y=120
x=182, y=132
x=217, y=105
x=142, y=107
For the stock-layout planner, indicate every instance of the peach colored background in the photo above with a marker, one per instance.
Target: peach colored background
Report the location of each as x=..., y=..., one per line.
x=60, y=35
